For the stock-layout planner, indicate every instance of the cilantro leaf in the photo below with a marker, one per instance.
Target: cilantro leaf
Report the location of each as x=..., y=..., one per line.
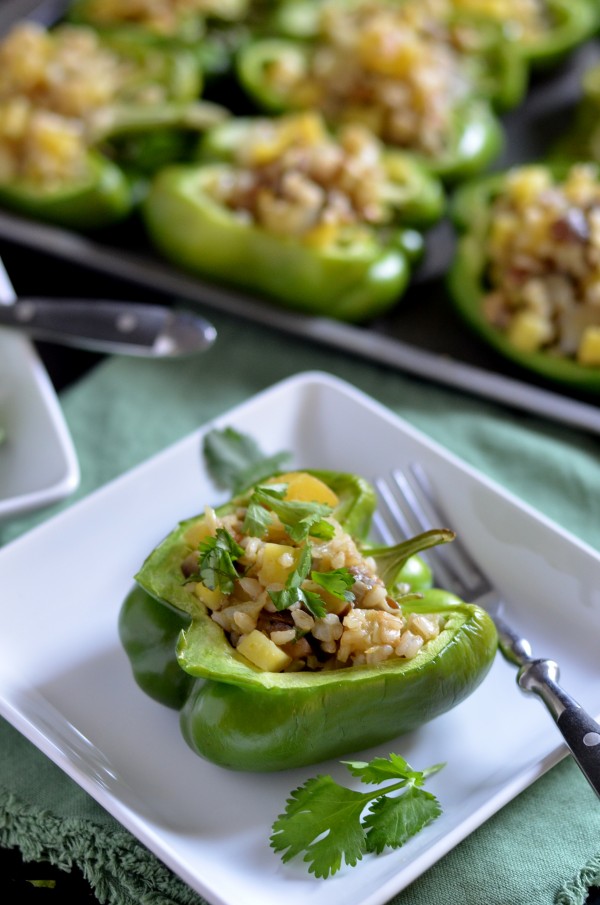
x=380, y=768
x=299, y=518
x=333, y=825
x=314, y=604
x=216, y=568
x=392, y=821
x=338, y=582
x=235, y=461
x=322, y=806
x=257, y=519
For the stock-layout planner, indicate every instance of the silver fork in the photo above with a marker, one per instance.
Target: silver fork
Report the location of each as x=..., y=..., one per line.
x=408, y=505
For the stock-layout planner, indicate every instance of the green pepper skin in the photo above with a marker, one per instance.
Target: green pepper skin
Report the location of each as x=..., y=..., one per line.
x=476, y=135
x=352, y=282
x=148, y=631
x=466, y=285
x=107, y=196
x=242, y=718
x=277, y=722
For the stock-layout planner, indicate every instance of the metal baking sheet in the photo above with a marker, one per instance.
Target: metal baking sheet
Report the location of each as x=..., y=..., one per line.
x=422, y=335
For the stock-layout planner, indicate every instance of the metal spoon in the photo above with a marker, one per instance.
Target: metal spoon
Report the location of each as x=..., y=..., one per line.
x=114, y=327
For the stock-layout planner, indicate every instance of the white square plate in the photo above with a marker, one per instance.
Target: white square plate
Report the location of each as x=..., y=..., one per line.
x=38, y=464
x=70, y=689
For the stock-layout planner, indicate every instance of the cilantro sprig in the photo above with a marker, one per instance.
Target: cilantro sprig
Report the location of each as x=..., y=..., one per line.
x=327, y=821
x=216, y=565
x=300, y=519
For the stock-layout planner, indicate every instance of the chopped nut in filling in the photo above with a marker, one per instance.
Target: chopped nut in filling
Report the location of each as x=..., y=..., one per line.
x=291, y=602
x=543, y=250
x=290, y=177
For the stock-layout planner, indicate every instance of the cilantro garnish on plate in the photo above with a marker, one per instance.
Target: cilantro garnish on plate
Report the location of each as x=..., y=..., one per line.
x=333, y=824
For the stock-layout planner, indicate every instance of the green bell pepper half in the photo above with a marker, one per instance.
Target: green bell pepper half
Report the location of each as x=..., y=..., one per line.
x=352, y=280
x=105, y=196
x=466, y=283
x=476, y=135
x=242, y=718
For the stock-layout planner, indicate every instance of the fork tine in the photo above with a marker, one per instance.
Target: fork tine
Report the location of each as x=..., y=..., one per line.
x=471, y=573
x=395, y=514
x=400, y=489
x=409, y=507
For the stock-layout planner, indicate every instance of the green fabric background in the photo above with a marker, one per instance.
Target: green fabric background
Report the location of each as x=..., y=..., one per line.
x=544, y=847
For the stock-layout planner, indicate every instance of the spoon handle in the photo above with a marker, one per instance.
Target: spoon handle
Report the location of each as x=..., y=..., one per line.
x=108, y=326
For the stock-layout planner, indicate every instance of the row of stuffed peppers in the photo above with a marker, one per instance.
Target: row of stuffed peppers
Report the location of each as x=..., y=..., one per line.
x=265, y=686
x=348, y=258
x=541, y=33
x=141, y=153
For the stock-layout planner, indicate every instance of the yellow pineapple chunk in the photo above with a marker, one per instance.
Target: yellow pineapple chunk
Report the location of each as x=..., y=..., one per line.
x=261, y=651
x=198, y=532
x=589, y=347
x=528, y=331
x=278, y=561
x=212, y=599
x=307, y=488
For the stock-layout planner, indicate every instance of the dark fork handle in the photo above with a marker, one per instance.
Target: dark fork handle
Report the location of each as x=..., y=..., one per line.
x=579, y=730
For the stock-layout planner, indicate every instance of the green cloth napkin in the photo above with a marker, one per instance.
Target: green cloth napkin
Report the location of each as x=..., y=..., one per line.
x=544, y=847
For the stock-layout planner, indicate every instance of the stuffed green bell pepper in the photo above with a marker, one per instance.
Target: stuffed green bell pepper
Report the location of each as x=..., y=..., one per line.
x=72, y=103
x=369, y=65
x=489, y=62
x=527, y=268
x=296, y=641
x=319, y=223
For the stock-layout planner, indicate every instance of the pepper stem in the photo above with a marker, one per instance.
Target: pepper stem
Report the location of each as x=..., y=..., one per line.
x=390, y=560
